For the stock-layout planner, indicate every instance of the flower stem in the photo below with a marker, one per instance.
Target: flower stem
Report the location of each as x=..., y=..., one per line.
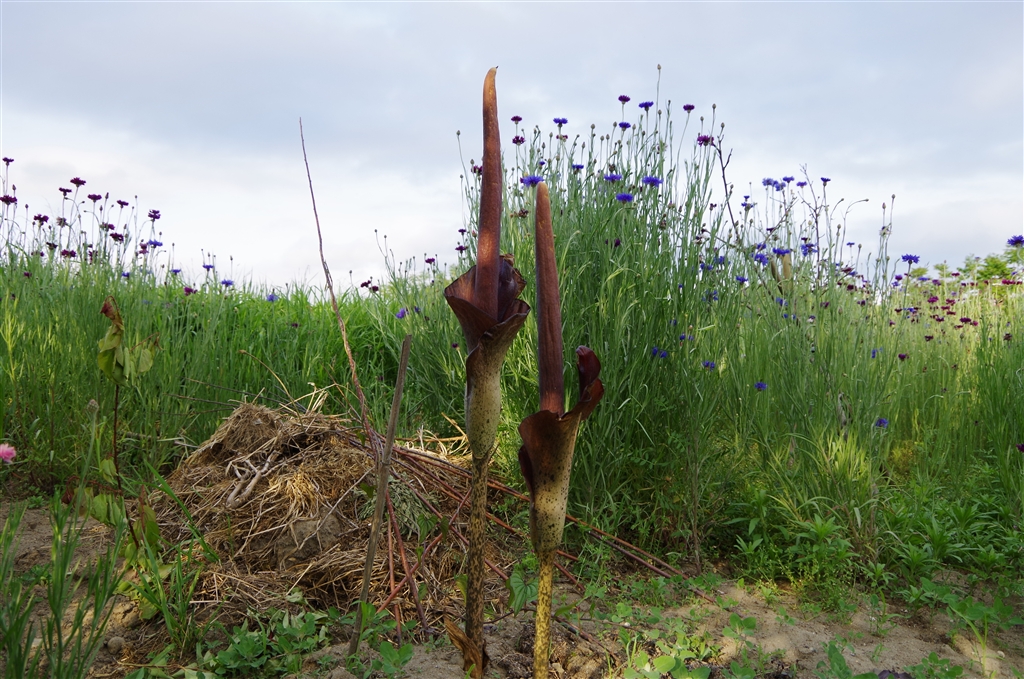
x=542, y=636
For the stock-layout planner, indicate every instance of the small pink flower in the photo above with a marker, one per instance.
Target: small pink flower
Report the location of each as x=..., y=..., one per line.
x=7, y=453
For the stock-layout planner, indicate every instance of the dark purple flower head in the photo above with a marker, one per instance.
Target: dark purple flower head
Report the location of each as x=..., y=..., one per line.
x=646, y=105
x=542, y=163
x=123, y=203
x=27, y=274
x=617, y=242
x=430, y=260
x=652, y=181
x=1016, y=241
x=460, y=248
x=117, y=237
x=760, y=386
x=402, y=313
x=42, y=219
x=561, y=121
x=688, y=107
x=531, y=180
x=612, y=177
x=911, y=259
x=767, y=181
x=8, y=161
x=70, y=254
x=881, y=423
x=518, y=139
x=227, y=282
x=577, y=166
x=1020, y=447
x=624, y=197
x=825, y=180
x=517, y=119
x=189, y=291
x=705, y=140
x=624, y=125
x=8, y=200
x=65, y=191
x=77, y=181
x=208, y=267
x=902, y=357
x=154, y=214
x=94, y=197
x=272, y=297
x=623, y=98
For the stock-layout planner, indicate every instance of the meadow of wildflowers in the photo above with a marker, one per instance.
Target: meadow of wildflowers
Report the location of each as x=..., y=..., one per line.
x=749, y=349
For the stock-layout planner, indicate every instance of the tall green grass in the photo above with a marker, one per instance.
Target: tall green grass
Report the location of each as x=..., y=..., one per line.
x=732, y=371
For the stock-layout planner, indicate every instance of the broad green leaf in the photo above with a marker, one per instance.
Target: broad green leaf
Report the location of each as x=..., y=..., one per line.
x=664, y=663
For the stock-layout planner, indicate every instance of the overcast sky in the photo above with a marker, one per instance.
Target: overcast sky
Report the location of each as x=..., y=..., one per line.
x=194, y=108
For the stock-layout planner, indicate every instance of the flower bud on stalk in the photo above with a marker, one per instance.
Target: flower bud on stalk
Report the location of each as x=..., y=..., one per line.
x=486, y=301
x=549, y=435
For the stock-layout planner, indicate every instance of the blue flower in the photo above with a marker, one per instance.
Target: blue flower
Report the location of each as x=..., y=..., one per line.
x=706, y=267
x=652, y=181
x=646, y=105
x=531, y=180
x=760, y=386
x=654, y=352
x=881, y=423
x=577, y=166
x=612, y=177
x=153, y=243
x=711, y=296
x=663, y=354
x=710, y=365
x=561, y=121
x=1016, y=241
x=741, y=279
x=761, y=259
x=624, y=125
x=787, y=179
x=874, y=352
x=761, y=246
x=175, y=272
x=401, y=313
x=850, y=244
x=272, y=297
x=208, y=267
x=227, y=282
x=781, y=251
x=125, y=274
x=808, y=248
x=911, y=259
x=767, y=181
x=673, y=322
x=624, y=197
x=781, y=302
x=685, y=338
x=825, y=180
x=542, y=163
x=623, y=98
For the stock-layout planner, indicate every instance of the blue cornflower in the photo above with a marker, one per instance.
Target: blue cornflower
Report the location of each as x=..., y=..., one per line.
x=542, y=163
x=711, y=296
x=761, y=246
x=808, y=248
x=612, y=177
x=781, y=302
x=402, y=313
x=646, y=105
x=911, y=259
x=154, y=243
x=874, y=352
x=561, y=121
x=801, y=184
x=787, y=179
x=741, y=279
x=531, y=180
x=624, y=125
x=208, y=267
x=125, y=274
x=227, y=282
x=760, y=386
x=577, y=166
x=761, y=259
x=767, y=181
x=663, y=354
x=272, y=297
x=623, y=98
x=652, y=181
x=685, y=338
x=781, y=251
x=710, y=365
x=825, y=180
x=706, y=267
x=881, y=423
x=175, y=271
x=1016, y=241
x=673, y=322
x=624, y=197
x=654, y=352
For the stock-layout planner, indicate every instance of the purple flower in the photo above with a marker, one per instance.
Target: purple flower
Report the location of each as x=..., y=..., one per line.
x=518, y=139
x=154, y=214
x=787, y=179
x=561, y=121
x=208, y=267
x=685, y=338
x=125, y=274
x=577, y=166
x=825, y=180
x=709, y=365
x=531, y=180
x=402, y=313
x=705, y=140
x=612, y=177
x=652, y=181
x=189, y=291
x=624, y=125
x=1020, y=447
x=272, y=297
x=624, y=197
x=227, y=282
x=8, y=200
x=741, y=279
x=623, y=98
x=94, y=197
x=154, y=243
x=654, y=352
x=808, y=248
x=78, y=182
x=881, y=423
x=27, y=274
x=122, y=203
x=617, y=243
x=8, y=161
x=911, y=259
x=517, y=119
x=646, y=105
x=874, y=352
x=688, y=107
x=1016, y=241
x=902, y=357
x=460, y=248
x=7, y=451
x=801, y=184
x=430, y=260
x=760, y=386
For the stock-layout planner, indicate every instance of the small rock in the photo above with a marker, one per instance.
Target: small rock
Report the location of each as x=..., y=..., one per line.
x=557, y=668
x=115, y=645
x=340, y=673
x=806, y=649
x=1000, y=654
